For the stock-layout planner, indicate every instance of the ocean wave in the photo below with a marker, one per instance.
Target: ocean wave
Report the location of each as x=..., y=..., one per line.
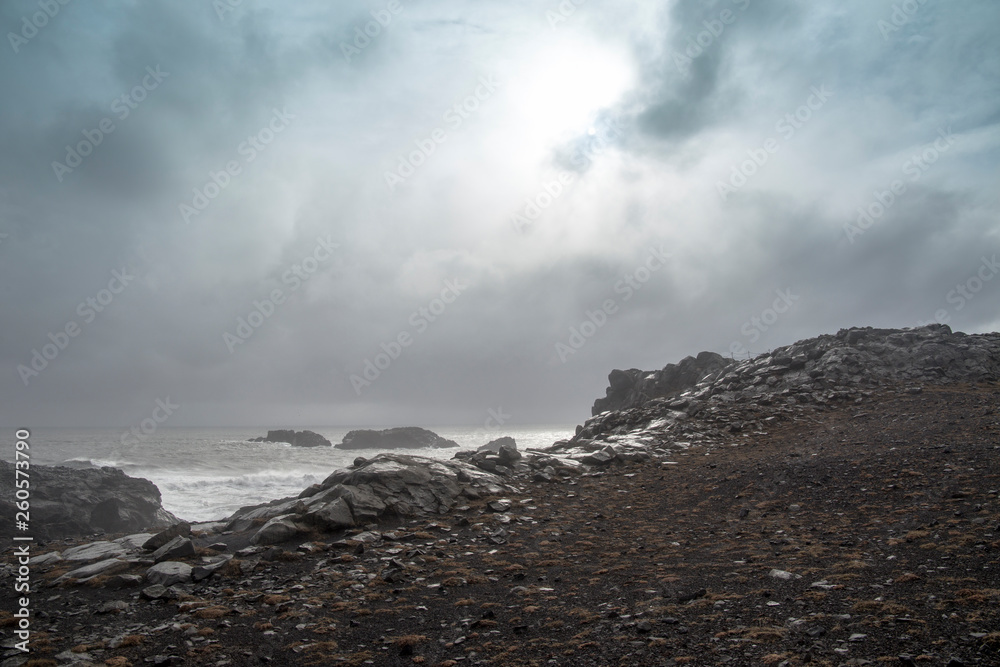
x=82, y=462
x=212, y=497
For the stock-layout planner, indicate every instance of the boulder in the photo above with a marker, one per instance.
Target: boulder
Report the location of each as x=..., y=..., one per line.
x=295, y=438
x=206, y=570
x=279, y=529
x=508, y=452
x=169, y=573
x=410, y=437
x=179, y=547
x=334, y=515
x=182, y=529
x=134, y=542
x=72, y=503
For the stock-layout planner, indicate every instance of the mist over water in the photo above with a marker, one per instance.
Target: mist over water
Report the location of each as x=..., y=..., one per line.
x=208, y=473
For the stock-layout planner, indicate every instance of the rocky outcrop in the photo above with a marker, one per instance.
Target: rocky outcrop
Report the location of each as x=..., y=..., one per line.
x=71, y=503
x=846, y=366
x=388, y=484
x=498, y=456
x=409, y=437
x=295, y=438
x=632, y=388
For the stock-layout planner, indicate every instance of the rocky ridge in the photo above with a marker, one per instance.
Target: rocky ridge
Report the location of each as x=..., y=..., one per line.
x=713, y=400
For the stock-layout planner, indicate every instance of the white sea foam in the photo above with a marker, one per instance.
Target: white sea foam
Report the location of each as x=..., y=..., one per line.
x=206, y=474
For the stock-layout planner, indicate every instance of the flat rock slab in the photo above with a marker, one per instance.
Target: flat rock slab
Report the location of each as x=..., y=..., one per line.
x=134, y=542
x=104, y=567
x=169, y=573
x=95, y=551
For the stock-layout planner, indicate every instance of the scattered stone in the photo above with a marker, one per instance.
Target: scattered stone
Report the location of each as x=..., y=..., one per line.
x=499, y=506
x=112, y=606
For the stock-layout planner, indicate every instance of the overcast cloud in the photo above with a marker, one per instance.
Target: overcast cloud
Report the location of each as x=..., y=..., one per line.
x=621, y=184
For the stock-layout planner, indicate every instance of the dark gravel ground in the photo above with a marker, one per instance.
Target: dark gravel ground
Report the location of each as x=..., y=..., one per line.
x=882, y=517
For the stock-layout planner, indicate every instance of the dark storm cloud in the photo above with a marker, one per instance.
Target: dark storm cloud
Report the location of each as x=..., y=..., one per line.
x=277, y=137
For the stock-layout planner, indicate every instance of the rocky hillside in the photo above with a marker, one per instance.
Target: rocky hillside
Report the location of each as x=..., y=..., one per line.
x=725, y=395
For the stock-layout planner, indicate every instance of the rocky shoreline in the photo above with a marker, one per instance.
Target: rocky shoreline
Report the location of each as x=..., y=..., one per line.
x=833, y=501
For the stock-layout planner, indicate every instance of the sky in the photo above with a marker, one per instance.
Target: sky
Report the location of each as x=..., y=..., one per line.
x=403, y=212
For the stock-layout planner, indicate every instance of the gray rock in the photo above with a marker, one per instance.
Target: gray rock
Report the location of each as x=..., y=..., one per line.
x=134, y=542
x=388, y=484
x=179, y=547
x=501, y=505
x=155, y=592
x=205, y=570
x=181, y=529
x=168, y=573
x=508, y=452
x=279, y=529
x=112, y=607
x=42, y=560
x=333, y=515
x=101, y=568
x=74, y=503
x=599, y=458
x=493, y=446
x=295, y=438
x=410, y=437
x=94, y=551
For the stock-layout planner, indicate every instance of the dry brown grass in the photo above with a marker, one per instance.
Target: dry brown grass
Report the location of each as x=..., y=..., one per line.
x=132, y=640
x=275, y=599
x=212, y=612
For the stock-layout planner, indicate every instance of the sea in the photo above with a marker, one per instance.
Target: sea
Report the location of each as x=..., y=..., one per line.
x=206, y=474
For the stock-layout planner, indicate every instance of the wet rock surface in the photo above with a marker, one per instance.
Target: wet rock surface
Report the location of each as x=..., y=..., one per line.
x=69, y=502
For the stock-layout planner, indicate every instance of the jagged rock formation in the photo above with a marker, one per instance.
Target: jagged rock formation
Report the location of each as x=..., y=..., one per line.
x=408, y=437
x=394, y=484
x=732, y=399
x=68, y=502
x=295, y=438
x=632, y=388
